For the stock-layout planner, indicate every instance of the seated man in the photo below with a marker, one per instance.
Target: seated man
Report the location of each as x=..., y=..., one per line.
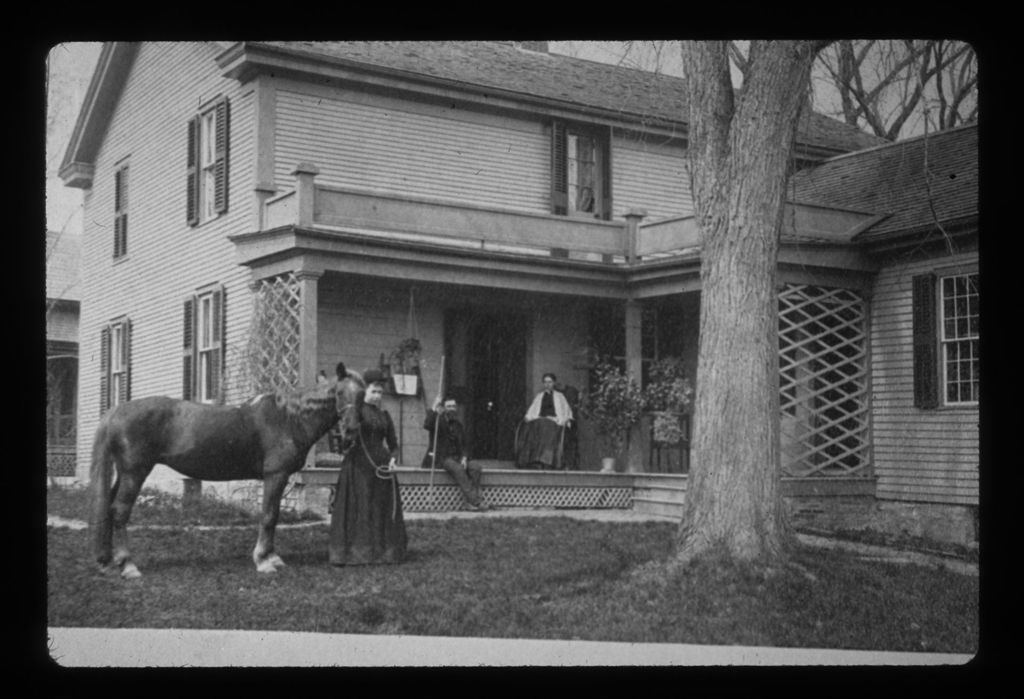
x=450, y=452
x=545, y=418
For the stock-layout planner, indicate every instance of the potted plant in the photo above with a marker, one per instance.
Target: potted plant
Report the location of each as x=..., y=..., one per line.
x=405, y=362
x=668, y=395
x=614, y=404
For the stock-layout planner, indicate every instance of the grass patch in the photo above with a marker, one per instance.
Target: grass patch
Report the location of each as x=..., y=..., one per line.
x=545, y=578
x=158, y=507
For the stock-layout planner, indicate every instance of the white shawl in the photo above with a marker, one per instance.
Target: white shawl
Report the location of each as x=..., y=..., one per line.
x=563, y=413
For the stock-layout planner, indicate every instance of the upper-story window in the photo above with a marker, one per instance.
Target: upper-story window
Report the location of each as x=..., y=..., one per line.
x=207, y=195
x=203, y=346
x=121, y=211
x=947, y=339
x=580, y=171
x=115, y=363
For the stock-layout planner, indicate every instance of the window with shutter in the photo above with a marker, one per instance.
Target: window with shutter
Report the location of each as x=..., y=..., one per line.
x=208, y=154
x=121, y=211
x=115, y=363
x=959, y=337
x=580, y=171
x=204, y=347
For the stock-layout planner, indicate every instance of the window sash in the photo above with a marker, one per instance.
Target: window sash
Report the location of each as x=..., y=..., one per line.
x=959, y=337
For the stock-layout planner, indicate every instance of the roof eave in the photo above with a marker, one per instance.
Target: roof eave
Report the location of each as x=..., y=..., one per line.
x=108, y=79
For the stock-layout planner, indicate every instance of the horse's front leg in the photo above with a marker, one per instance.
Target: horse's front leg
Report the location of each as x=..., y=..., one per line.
x=264, y=556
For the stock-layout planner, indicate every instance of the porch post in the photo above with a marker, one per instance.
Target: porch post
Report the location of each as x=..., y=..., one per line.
x=633, y=219
x=308, y=326
x=634, y=369
x=308, y=323
x=305, y=188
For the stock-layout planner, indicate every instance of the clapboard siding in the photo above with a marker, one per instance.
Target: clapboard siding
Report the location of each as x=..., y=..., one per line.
x=166, y=258
x=921, y=455
x=650, y=176
x=390, y=146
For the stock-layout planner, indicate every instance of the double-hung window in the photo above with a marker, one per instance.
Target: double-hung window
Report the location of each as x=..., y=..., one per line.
x=207, y=192
x=204, y=346
x=580, y=170
x=115, y=363
x=959, y=338
x=947, y=336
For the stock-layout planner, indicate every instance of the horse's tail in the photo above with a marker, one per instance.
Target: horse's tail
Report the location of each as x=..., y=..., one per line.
x=100, y=476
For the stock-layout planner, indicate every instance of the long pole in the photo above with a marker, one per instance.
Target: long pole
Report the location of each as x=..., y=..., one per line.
x=437, y=423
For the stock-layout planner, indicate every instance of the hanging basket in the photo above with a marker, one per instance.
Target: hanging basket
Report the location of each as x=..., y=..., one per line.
x=406, y=384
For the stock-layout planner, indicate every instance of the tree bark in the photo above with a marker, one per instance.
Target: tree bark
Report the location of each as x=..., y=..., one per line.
x=739, y=152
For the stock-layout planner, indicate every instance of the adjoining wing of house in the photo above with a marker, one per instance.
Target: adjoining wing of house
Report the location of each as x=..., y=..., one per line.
x=257, y=212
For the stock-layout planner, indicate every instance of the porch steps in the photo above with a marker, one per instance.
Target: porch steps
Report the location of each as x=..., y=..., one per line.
x=661, y=496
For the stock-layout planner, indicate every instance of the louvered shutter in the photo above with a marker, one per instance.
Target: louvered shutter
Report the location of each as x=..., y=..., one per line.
x=220, y=171
x=606, y=175
x=926, y=370
x=188, y=381
x=125, y=388
x=559, y=171
x=217, y=356
x=192, y=187
x=120, y=212
x=104, y=369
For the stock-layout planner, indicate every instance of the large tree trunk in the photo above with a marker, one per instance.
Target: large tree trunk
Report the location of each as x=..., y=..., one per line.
x=739, y=150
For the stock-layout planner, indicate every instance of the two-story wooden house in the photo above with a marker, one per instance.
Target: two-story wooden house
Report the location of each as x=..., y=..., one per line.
x=258, y=211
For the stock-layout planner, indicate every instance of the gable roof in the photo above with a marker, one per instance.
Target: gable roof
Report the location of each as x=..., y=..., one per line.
x=916, y=182
x=483, y=67
x=499, y=65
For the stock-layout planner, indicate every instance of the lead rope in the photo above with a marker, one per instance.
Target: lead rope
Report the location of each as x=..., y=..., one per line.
x=384, y=473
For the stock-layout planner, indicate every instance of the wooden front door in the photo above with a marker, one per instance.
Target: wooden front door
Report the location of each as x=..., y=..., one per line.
x=496, y=363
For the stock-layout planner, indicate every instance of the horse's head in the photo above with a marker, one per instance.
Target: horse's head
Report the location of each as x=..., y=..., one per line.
x=348, y=396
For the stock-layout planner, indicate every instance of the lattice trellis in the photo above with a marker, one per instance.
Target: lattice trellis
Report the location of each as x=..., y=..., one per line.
x=418, y=498
x=272, y=352
x=823, y=381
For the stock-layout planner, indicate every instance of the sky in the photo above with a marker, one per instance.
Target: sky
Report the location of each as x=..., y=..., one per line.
x=70, y=68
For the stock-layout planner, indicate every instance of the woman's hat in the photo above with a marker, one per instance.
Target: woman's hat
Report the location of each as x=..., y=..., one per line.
x=373, y=376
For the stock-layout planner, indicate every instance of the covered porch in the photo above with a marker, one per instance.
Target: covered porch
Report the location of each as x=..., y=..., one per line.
x=352, y=273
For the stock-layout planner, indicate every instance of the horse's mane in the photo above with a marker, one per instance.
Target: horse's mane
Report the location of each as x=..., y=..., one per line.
x=301, y=403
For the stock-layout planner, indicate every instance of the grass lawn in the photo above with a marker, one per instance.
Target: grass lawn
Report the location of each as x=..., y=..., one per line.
x=551, y=577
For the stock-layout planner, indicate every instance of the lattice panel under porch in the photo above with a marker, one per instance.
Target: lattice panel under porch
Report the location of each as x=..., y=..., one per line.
x=823, y=381
x=417, y=498
x=274, y=337
x=60, y=462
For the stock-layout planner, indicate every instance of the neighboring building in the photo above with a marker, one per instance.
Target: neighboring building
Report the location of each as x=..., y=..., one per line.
x=925, y=313
x=62, y=308
x=258, y=211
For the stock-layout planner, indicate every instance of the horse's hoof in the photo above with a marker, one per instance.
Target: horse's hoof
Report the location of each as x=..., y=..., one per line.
x=130, y=572
x=266, y=567
x=276, y=561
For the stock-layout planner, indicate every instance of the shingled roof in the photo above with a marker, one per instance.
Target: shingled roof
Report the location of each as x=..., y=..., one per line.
x=633, y=93
x=916, y=182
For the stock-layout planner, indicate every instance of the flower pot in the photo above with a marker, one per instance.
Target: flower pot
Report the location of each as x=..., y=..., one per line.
x=405, y=384
x=608, y=464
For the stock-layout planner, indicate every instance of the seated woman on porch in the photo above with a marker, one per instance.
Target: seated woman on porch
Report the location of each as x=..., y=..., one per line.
x=549, y=413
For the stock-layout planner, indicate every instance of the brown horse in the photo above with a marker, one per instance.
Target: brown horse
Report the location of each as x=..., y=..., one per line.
x=266, y=438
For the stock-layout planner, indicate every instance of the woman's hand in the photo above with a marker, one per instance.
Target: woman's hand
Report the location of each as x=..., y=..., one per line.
x=392, y=464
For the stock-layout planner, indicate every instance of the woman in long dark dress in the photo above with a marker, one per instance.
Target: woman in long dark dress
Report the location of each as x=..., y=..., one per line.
x=366, y=523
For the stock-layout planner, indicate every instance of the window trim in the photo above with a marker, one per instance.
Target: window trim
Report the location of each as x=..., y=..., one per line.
x=115, y=363
x=203, y=346
x=944, y=342
x=561, y=188
x=208, y=140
